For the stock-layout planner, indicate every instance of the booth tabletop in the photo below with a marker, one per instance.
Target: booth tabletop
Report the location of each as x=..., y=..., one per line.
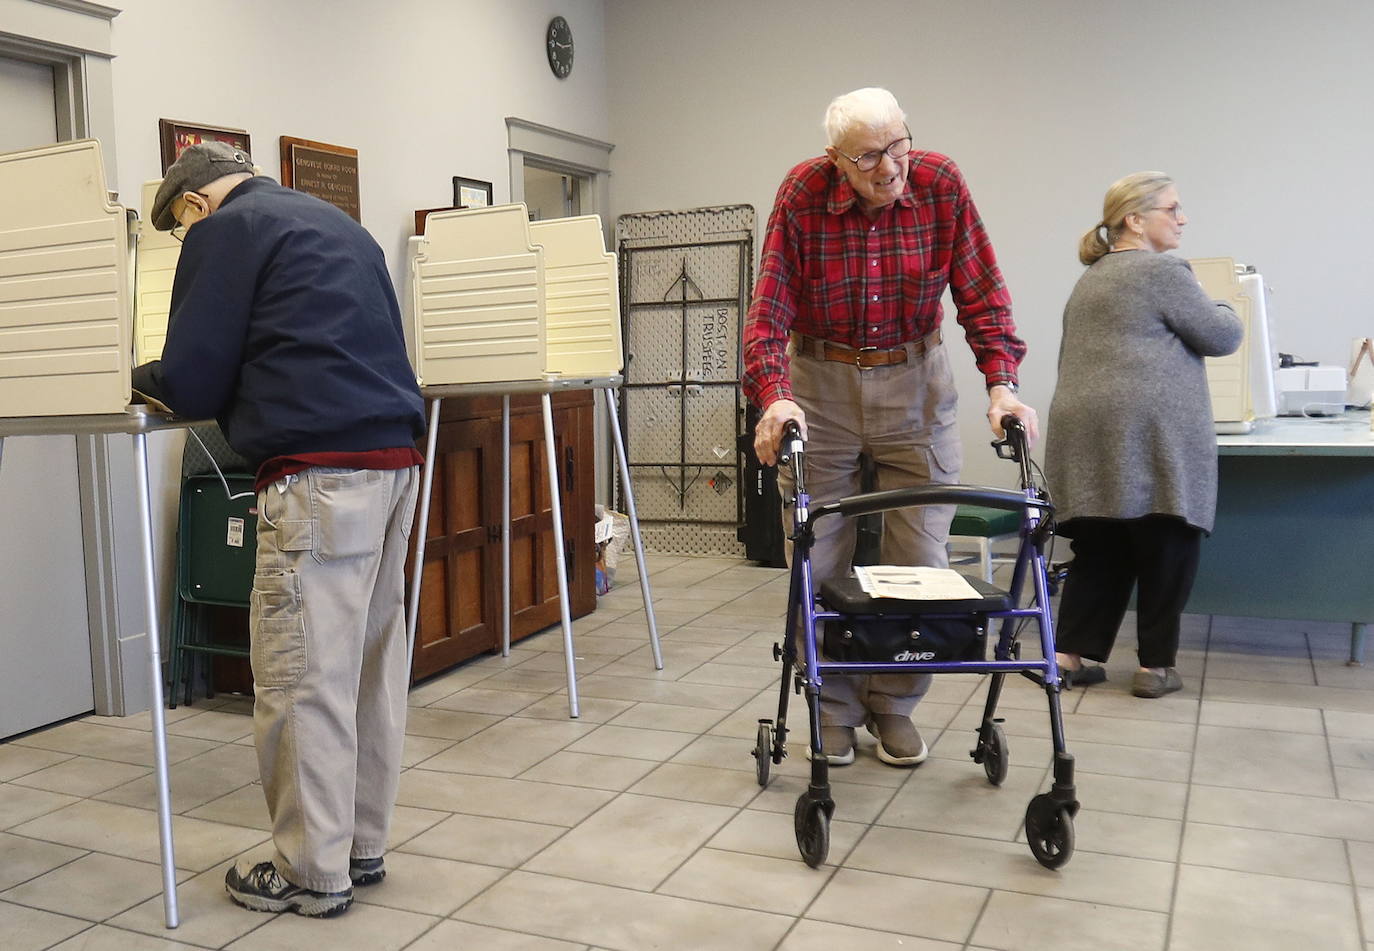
x=552, y=384
x=1346, y=435
x=135, y=419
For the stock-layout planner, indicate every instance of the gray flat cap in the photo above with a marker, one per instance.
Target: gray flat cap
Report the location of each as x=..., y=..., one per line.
x=197, y=166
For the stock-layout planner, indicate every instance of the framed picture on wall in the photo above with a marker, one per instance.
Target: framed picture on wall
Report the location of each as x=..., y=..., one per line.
x=470, y=192
x=175, y=136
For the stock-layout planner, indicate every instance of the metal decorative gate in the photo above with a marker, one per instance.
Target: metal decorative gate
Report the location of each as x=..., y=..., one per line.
x=685, y=282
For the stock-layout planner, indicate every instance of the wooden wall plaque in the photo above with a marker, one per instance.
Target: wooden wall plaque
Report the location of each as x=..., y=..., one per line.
x=326, y=171
x=422, y=213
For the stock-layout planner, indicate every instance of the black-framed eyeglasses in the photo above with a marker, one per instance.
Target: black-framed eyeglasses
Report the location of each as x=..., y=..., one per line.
x=1175, y=210
x=871, y=160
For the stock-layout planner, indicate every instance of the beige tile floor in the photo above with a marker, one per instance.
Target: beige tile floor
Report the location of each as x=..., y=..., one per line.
x=1236, y=814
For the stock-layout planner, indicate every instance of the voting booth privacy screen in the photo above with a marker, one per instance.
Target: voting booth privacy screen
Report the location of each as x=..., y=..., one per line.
x=86, y=286
x=65, y=285
x=495, y=298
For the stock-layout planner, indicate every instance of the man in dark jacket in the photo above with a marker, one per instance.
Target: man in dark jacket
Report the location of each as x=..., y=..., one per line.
x=284, y=327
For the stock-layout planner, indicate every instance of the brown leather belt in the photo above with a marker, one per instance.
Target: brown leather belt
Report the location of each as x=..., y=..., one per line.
x=864, y=357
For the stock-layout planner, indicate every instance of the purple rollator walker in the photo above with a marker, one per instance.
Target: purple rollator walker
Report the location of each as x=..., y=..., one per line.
x=862, y=635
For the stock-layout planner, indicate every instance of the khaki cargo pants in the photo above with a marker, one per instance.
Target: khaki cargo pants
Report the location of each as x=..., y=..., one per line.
x=329, y=664
x=904, y=417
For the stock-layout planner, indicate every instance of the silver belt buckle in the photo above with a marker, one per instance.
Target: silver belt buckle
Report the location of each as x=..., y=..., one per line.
x=858, y=357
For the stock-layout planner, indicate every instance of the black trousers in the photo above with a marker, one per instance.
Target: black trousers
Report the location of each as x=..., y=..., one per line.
x=1157, y=553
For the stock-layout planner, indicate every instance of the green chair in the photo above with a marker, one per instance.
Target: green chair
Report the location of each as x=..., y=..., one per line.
x=216, y=553
x=983, y=527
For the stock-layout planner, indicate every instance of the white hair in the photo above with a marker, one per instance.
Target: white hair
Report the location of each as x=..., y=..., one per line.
x=870, y=108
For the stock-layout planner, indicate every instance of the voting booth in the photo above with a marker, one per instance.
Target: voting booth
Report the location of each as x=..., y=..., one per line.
x=69, y=331
x=582, y=297
x=85, y=286
x=476, y=309
x=498, y=305
x=494, y=297
x=66, y=322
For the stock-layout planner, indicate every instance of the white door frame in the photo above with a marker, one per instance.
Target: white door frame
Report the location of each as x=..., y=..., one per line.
x=554, y=149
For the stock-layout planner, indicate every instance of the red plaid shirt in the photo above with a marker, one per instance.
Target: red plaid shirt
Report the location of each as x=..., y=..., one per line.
x=828, y=271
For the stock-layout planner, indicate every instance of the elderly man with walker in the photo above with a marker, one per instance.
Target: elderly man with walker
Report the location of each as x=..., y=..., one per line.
x=843, y=337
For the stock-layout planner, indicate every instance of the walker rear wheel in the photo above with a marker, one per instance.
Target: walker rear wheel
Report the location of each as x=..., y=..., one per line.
x=812, y=823
x=996, y=758
x=763, y=751
x=1049, y=831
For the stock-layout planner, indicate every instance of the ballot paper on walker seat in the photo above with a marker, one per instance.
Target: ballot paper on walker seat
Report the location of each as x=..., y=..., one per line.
x=914, y=583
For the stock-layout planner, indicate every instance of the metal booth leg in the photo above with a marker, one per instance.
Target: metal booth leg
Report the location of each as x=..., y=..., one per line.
x=634, y=527
x=1358, y=629
x=164, y=798
x=559, y=554
x=418, y=570
x=505, y=526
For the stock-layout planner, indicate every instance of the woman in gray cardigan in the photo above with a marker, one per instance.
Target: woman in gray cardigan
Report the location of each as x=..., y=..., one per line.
x=1131, y=453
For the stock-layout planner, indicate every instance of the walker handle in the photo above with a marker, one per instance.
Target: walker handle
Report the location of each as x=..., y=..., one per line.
x=1013, y=446
x=791, y=442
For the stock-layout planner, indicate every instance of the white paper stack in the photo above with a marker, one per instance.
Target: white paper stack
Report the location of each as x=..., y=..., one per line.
x=914, y=583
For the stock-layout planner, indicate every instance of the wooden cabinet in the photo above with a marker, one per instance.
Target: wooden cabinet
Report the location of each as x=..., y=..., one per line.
x=460, y=594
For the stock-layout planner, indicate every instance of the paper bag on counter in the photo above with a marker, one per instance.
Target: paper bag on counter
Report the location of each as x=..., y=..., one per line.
x=1360, y=388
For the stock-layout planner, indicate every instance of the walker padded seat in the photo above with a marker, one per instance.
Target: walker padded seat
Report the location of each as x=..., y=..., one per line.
x=582, y=298
x=65, y=324
x=847, y=596
x=476, y=301
x=984, y=521
x=986, y=525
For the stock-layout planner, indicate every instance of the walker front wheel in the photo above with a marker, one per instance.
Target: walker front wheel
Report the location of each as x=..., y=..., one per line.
x=812, y=824
x=1049, y=831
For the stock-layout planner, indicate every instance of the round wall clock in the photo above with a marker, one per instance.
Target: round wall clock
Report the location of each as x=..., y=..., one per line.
x=560, y=47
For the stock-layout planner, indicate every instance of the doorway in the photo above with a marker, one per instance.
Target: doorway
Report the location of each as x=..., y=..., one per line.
x=553, y=193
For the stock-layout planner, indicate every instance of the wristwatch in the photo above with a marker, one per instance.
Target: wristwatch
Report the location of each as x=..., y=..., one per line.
x=1007, y=383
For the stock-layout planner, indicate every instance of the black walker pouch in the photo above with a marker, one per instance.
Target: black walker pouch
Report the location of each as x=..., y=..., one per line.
x=889, y=630
x=896, y=640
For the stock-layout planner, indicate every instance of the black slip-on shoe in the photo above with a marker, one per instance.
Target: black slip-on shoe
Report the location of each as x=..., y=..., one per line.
x=1152, y=686
x=1085, y=676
